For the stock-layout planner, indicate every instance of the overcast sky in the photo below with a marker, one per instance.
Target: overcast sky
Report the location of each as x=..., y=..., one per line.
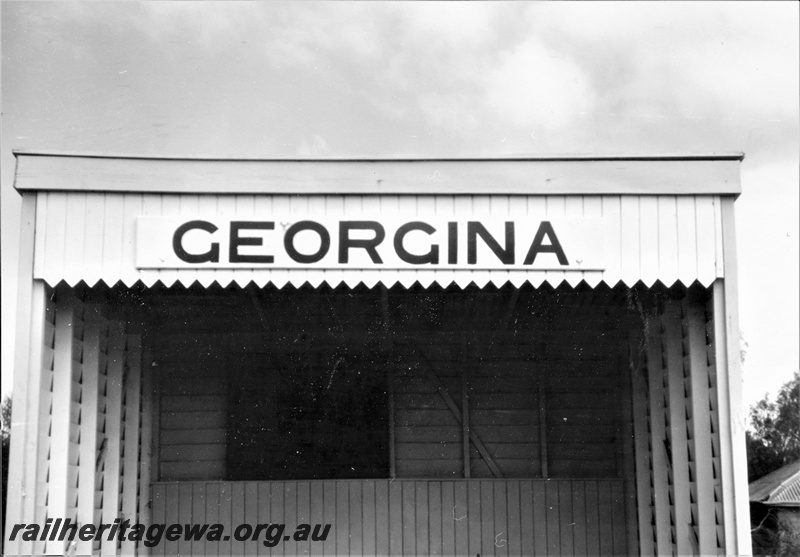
x=268, y=79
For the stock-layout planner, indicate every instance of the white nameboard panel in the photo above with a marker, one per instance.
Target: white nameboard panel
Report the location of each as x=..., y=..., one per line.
x=361, y=243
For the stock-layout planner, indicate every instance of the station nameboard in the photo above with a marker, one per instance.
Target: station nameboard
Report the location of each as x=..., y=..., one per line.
x=278, y=242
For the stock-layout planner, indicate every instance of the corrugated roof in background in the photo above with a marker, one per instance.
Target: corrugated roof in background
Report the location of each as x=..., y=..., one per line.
x=781, y=487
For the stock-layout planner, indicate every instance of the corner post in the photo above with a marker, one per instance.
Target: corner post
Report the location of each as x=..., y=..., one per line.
x=735, y=498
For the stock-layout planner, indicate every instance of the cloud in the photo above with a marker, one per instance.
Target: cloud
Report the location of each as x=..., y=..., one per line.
x=535, y=86
x=680, y=59
x=316, y=147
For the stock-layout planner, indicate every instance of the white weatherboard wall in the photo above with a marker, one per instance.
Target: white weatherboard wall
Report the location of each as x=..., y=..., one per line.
x=91, y=237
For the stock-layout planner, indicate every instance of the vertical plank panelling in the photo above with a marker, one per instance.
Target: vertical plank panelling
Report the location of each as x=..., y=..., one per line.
x=566, y=523
x=517, y=210
x=539, y=506
x=733, y=447
x=556, y=209
x=172, y=501
x=111, y=256
x=706, y=239
x=486, y=517
x=132, y=207
x=329, y=515
x=212, y=514
x=501, y=518
x=611, y=215
x=421, y=517
x=648, y=239
x=636, y=223
x=245, y=208
x=111, y=472
x=40, y=441
x=705, y=527
x=395, y=522
x=200, y=507
x=261, y=495
x=290, y=516
x=474, y=516
x=251, y=504
x=226, y=207
x=382, y=518
x=226, y=502
x=30, y=322
x=462, y=210
x=237, y=499
x=718, y=247
x=368, y=518
x=64, y=455
x=626, y=225
x=94, y=330
x=146, y=435
x=341, y=522
x=667, y=239
x=74, y=238
x=660, y=461
x=526, y=518
x=619, y=522
x=687, y=241
x=677, y=419
x=151, y=206
x=34, y=217
x=630, y=268
x=435, y=514
x=514, y=524
x=593, y=208
x=461, y=517
x=185, y=509
x=408, y=519
x=480, y=205
x=159, y=497
x=536, y=209
x=641, y=421
x=54, y=250
x=579, y=518
x=276, y=510
x=716, y=427
x=102, y=442
x=303, y=513
x=628, y=469
x=606, y=546
x=133, y=395
x=500, y=208
x=552, y=518
x=592, y=517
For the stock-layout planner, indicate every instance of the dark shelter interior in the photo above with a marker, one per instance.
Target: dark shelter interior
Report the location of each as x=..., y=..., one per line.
x=305, y=383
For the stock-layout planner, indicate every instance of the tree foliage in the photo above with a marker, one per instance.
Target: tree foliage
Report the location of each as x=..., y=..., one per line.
x=774, y=437
x=5, y=430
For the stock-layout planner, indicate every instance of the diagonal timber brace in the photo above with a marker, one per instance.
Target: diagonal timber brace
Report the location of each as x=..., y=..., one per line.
x=448, y=400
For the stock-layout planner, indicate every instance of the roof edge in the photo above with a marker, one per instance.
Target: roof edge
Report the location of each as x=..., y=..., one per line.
x=564, y=175
x=723, y=156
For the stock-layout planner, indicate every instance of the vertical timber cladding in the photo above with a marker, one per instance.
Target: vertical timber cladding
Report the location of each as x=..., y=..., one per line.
x=90, y=418
x=676, y=416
